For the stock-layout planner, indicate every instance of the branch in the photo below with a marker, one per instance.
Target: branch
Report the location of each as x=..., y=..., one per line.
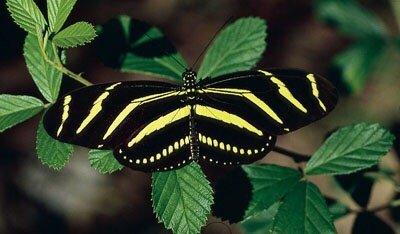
x=58, y=65
x=298, y=158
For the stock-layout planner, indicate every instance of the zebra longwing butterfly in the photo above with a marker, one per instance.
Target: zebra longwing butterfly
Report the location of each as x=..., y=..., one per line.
x=157, y=126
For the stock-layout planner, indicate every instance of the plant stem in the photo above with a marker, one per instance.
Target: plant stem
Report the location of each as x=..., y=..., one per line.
x=295, y=156
x=58, y=65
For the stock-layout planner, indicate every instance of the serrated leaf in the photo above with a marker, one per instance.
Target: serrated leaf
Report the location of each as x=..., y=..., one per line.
x=359, y=61
x=130, y=45
x=261, y=222
x=75, y=35
x=303, y=210
x=46, y=77
x=270, y=184
x=351, y=149
x=27, y=15
x=182, y=198
x=104, y=161
x=51, y=152
x=350, y=18
x=238, y=47
x=369, y=223
x=16, y=109
x=58, y=12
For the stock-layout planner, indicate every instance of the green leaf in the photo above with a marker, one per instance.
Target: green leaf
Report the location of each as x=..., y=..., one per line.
x=238, y=47
x=51, y=152
x=104, y=161
x=359, y=61
x=130, y=45
x=351, y=149
x=27, y=15
x=303, y=210
x=182, y=198
x=46, y=77
x=58, y=12
x=75, y=35
x=350, y=18
x=261, y=222
x=16, y=109
x=270, y=183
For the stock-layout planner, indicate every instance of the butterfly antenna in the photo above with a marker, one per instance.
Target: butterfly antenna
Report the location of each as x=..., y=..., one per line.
x=165, y=52
x=212, y=39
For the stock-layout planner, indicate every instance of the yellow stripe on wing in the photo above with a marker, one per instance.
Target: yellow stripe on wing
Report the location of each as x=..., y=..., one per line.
x=315, y=91
x=226, y=117
x=96, y=108
x=65, y=114
x=249, y=96
x=160, y=123
x=132, y=106
x=285, y=92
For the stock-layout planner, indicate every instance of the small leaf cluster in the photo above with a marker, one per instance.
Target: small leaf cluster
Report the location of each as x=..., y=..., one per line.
x=283, y=201
x=45, y=58
x=297, y=205
x=372, y=40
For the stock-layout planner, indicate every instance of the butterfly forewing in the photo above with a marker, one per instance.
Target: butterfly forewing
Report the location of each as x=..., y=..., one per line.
x=103, y=116
x=277, y=101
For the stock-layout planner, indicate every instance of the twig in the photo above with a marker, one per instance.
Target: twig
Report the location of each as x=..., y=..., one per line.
x=58, y=65
x=298, y=158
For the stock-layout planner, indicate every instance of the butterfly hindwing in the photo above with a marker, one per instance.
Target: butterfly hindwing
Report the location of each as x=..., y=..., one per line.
x=228, y=139
x=278, y=100
x=160, y=144
x=103, y=116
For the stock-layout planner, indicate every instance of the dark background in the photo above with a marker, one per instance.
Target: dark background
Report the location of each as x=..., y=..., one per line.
x=35, y=199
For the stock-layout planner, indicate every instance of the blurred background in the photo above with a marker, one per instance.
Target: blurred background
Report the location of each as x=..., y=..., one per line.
x=302, y=34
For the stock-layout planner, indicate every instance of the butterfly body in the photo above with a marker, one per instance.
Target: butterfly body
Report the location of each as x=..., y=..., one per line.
x=157, y=126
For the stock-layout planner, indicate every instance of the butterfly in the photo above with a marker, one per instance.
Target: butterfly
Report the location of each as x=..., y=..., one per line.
x=162, y=125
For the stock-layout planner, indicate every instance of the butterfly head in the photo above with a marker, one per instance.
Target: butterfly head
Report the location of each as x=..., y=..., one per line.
x=189, y=79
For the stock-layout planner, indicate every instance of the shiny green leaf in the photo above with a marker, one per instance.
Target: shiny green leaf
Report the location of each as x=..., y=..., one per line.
x=75, y=35
x=27, y=15
x=51, y=152
x=182, y=198
x=15, y=109
x=46, y=77
x=58, y=12
x=238, y=47
x=270, y=183
x=351, y=149
x=104, y=161
x=303, y=210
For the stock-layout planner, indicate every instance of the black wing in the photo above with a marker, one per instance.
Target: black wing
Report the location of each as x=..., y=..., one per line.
x=276, y=101
x=107, y=116
x=228, y=139
x=159, y=145
x=240, y=114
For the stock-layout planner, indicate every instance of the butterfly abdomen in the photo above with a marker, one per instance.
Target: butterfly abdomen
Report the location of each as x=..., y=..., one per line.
x=193, y=135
